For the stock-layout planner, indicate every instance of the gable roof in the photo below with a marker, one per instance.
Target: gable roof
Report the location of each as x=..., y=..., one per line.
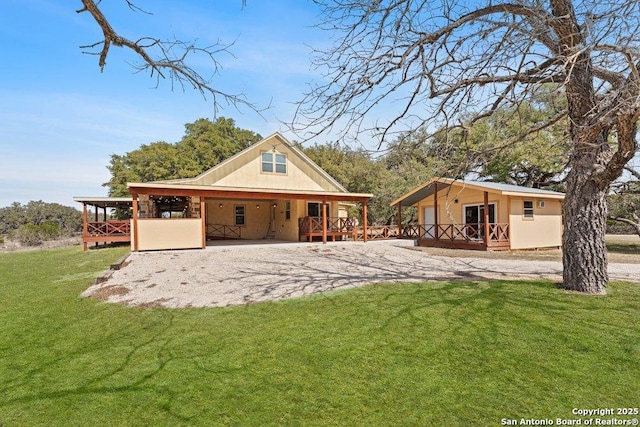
x=270, y=143
x=425, y=190
x=241, y=173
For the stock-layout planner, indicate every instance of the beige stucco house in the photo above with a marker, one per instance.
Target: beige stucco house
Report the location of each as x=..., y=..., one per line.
x=270, y=190
x=483, y=215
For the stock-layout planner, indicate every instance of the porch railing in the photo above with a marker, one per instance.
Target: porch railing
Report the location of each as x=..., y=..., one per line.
x=313, y=224
x=221, y=231
x=377, y=232
x=109, y=228
x=457, y=232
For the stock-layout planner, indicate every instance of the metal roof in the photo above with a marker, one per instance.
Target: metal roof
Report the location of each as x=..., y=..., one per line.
x=106, y=202
x=425, y=190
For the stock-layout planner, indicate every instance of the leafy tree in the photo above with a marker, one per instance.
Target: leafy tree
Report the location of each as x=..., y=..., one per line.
x=535, y=161
x=441, y=64
x=357, y=172
x=11, y=217
x=486, y=149
x=38, y=213
x=208, y=143
x=204, y=144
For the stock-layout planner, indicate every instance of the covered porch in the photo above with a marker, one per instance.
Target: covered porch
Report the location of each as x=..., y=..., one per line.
x=101, y=229
x=236, y=214
x=474, y=225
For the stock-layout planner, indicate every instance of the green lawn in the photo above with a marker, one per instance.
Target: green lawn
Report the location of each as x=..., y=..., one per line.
x=401, y=354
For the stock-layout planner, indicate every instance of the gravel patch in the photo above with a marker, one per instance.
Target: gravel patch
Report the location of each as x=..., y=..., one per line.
x=222, y=276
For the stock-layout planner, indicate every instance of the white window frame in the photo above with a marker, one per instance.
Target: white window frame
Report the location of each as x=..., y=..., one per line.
x=528, y=212
x=277, y=164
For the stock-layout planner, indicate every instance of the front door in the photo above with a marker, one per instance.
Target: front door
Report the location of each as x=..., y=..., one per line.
x=314, y=209
x=474, y=220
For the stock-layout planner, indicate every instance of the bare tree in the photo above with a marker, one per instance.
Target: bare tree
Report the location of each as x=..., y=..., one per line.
x=165, y=58
x=404, y=64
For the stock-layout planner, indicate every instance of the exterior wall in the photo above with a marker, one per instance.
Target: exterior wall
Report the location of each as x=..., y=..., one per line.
x=257, y=219
x=222, y=212
x=450, y=212
x=257, y=215
x=244, y=171
x=542, y=231
x=158, y=234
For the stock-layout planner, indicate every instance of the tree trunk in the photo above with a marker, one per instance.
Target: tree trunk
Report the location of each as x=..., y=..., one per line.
x=584, y=252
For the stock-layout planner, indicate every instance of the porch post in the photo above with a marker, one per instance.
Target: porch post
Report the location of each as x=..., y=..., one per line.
x=399, y=219
x=203, y=219
x=85, y=226
x=486, y=219
x=435, y=210
x=95, y=218
x=364, y=221
x=135, y=222
x=324, y=222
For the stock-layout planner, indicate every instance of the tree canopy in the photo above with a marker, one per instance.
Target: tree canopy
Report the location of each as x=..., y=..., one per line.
x=37, y=213
x=205, y=144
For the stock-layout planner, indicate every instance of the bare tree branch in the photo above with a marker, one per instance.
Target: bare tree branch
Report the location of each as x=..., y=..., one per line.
x=166, y=59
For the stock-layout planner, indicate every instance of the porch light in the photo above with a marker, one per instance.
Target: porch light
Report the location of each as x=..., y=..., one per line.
x=275, y=205
x=220, y=205
x=258, y=206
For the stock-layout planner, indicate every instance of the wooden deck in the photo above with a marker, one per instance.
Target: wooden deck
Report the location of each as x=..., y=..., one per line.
x=452, y=236
x=110, y=231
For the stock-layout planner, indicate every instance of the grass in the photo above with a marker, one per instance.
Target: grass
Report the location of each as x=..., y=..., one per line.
x=401, y=354
x=624, y=248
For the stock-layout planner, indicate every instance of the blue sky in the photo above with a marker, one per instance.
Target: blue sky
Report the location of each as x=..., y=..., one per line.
x=61, y=118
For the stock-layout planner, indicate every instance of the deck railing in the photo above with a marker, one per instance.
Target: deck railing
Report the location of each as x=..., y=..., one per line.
x=377, y=232
x=313, y=224
x=109, y=228
x=457, y=232
x=221, y=231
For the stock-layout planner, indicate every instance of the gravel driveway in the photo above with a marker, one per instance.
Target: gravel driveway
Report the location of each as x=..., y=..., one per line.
x=232, y=275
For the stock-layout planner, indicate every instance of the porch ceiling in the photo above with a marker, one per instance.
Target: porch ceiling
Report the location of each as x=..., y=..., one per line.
x=419, y=194
x=241, y=193
x=106, y=202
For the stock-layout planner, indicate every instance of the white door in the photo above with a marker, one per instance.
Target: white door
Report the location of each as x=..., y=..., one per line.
x=429, y=223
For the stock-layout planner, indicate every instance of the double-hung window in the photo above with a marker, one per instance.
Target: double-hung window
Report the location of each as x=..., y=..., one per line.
x=274, y=163
x=240, y=215
x=527, y=208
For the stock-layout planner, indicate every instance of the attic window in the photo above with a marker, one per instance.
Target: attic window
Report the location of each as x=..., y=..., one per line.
x=274, y=163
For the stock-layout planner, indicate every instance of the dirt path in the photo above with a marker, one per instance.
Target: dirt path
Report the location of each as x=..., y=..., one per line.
x=221, y=276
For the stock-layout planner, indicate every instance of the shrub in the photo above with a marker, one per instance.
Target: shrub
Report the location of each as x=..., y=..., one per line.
x=30, y=235
x=50, y=230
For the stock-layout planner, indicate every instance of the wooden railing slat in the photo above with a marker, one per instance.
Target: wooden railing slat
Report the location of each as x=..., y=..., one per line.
x=498, y=232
